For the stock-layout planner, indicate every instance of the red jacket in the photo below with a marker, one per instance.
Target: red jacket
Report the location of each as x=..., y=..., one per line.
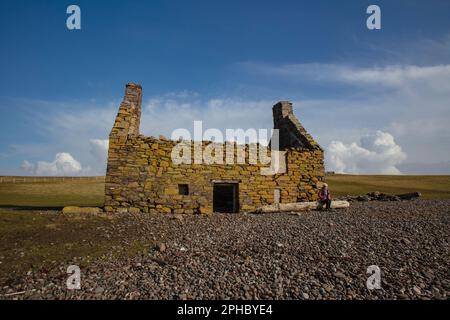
x=324, y=195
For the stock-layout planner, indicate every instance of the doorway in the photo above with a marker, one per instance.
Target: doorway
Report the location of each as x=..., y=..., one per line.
x=226, y=197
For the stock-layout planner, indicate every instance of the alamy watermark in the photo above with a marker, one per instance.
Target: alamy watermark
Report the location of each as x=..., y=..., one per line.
x=374, y=280
x=213, y=147
x=74, y=280
x=374, y=20
x=73, y=21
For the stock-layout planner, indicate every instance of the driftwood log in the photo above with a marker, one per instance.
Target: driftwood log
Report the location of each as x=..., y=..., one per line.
x=300, y=206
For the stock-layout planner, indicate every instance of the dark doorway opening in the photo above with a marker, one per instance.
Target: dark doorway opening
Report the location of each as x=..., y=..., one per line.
x=226, y=197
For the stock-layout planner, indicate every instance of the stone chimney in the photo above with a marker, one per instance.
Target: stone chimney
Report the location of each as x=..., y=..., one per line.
x=133, y=94
x=281, y=110
x=129, y=116
x=291, y=133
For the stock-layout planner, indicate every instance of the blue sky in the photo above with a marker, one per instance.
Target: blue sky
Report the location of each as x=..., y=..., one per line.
x=353, y=88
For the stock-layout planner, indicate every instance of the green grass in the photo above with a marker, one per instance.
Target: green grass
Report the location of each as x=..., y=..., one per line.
x=431, y=187
x=52, y=193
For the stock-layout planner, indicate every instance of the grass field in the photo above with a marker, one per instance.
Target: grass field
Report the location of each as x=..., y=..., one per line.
x=89, y=192
x=50, y=193
x=431, y=187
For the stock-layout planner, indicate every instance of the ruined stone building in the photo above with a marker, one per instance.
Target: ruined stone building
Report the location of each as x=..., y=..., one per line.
x=141, y=176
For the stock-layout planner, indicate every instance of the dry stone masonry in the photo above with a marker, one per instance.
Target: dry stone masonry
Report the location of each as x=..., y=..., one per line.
x=141, y=176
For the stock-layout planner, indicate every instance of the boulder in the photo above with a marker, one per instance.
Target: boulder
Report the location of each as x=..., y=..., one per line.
x=380, y=196
x=409, y=196
x=87, y=210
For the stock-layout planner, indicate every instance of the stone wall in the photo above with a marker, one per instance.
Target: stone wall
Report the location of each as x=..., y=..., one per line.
x=141, y=176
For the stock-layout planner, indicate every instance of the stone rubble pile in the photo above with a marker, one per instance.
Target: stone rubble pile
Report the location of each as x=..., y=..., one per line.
x=380, y=196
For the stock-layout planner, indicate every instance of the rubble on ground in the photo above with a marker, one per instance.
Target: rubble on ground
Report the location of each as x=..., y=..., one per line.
x=380, y=196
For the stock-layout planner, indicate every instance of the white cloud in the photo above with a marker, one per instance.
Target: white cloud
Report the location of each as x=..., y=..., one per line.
x=162, y=115
x=408, y=101
x=80, y=131
x=63, y=165
x=391, y=75
x=376, y=154
x=339, y=120
x=27, y=167
x=74, y=129
x=99, y=150
x=395, y=76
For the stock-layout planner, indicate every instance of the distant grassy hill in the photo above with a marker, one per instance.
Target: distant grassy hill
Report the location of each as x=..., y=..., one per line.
x=88, y=191
x=431, y=187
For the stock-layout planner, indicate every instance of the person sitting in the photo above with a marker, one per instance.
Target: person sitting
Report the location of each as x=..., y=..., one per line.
x=324, y=197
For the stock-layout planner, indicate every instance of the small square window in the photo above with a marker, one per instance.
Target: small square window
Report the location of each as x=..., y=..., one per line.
x=183, y=189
